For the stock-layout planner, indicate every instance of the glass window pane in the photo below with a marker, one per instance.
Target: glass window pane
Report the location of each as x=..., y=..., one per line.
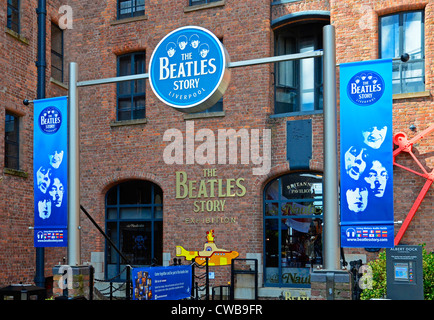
x=12, y=149
x=11, y=128
x=273, y=192
x=271, y=209
x=135, y=192
x=125, y=65
x=56, y=39
x=412, y=24
x=390, y=36
x=413, y=77
x=128, y=91
x=298, y=208
x=293, y=239
x=158, y=242
x=396, y=77
x=112, y=196
x=112, y=233
x=158, y=213
x=135, y=213
x=307, y=76
x=12, y=163
x=136, y=242
x=301, y=186
x=298, y=86
x=271, y=243
x=112, y=213
x=124, y=109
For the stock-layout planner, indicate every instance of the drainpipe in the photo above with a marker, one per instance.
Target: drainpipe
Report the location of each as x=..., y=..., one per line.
x=40, y=90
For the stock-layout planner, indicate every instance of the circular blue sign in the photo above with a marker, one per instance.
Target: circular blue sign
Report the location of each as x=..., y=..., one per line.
x=50, y=120
x=365, y=88
x=188, y=69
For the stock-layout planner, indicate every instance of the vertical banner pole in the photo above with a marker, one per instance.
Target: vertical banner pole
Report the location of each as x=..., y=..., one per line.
x=330, y=192
x=73, y=170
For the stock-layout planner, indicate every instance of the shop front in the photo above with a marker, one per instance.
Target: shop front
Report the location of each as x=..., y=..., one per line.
x=293, y=219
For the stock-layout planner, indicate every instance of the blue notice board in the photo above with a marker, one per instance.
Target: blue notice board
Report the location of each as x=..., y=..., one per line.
x=162, y=283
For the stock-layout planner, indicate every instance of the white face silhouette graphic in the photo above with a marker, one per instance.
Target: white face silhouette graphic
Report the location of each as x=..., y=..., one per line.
x=357, y=199
x=355, y=162
x=374, y=136
x=43, y=179
x=56, y=192
x=44, y=208
x=56, y=159
x=170, y=49
x=182, y=42
x=377, y=178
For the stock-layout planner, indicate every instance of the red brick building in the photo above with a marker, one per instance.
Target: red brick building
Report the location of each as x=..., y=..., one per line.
x=126, y=182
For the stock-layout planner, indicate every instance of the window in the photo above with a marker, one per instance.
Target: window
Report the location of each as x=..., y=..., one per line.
x=131, y=94
x=217, y=107
x=134, y=222
x=298, y=84
x=13, y=19
x=293, y=229
x=56, y=53
x=12, y=142
x=404, y=33
x=130, y=8
x=197, y=2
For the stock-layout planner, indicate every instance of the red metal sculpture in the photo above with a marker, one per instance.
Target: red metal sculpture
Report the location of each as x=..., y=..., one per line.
x=404, y=145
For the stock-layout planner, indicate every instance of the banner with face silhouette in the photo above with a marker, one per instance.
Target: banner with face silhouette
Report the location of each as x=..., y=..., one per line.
x=50, y=170
x=366, y=147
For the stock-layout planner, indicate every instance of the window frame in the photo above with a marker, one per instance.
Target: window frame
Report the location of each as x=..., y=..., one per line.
x=16, y=120
x=297, y=32
x=278, y=217
x=118, y=220
x=9, y=22
x=60, y=55
x=132, y=95
x=133, y=7
x=399, y=63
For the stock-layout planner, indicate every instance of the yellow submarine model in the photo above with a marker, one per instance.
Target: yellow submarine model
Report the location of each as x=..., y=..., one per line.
x=216, y=256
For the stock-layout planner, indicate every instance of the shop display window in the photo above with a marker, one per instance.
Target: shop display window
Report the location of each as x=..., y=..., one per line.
x=293, y=221
x=134, y=222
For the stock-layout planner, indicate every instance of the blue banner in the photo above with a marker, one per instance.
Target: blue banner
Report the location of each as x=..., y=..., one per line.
x=50, y=172
x=366, y=146
x=162, y=283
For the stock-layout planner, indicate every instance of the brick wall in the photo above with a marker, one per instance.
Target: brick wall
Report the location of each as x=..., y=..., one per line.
x=112, y=154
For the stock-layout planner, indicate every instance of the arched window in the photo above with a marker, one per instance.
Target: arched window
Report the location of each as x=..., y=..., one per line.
x=134, y=222
x=292, y=229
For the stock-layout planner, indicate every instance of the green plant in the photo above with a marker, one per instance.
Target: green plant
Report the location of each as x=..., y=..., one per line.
x=378, y=286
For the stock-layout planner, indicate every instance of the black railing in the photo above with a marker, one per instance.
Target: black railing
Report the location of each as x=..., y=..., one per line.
x=200, y=280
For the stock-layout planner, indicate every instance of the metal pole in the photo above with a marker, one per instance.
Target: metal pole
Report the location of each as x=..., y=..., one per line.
x=330, y=192
x=245, y=63
x=73, y=170
x=41, y=66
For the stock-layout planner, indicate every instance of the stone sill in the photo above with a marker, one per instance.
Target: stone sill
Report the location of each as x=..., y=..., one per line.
x=422, y=94
x=58, y=83
x=204, y=115
x=18, y=173
x=128, y=20
x=128, y=122
x=17, y=36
